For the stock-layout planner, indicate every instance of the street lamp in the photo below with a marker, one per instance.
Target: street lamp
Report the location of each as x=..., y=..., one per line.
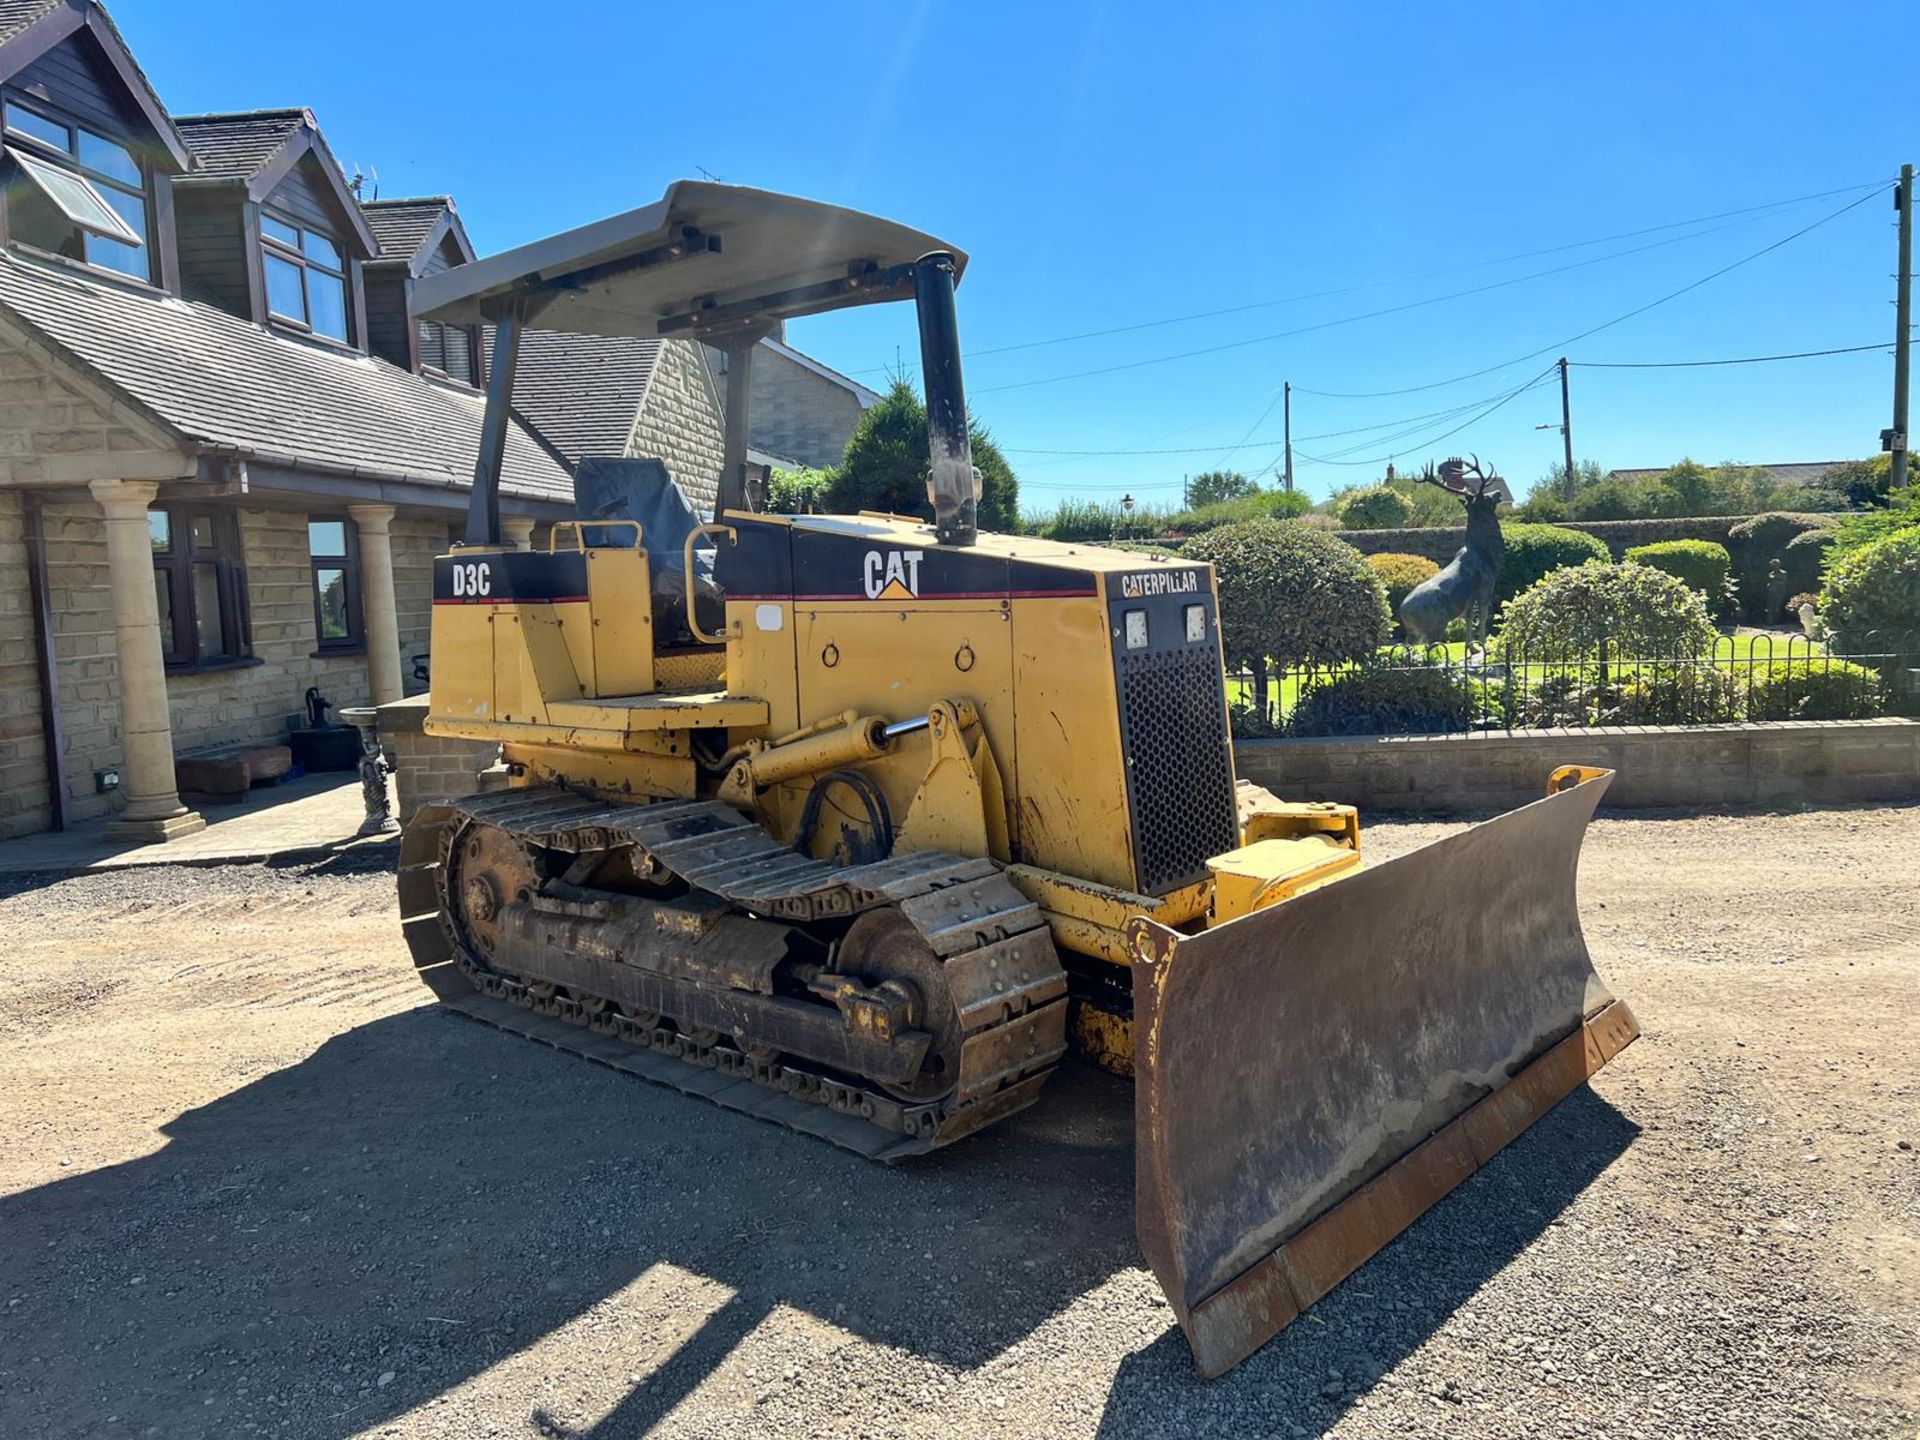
x=1126, y=505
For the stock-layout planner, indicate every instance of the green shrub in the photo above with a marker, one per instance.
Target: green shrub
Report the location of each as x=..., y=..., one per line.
x=1079, y=520
x=1400, y=573
x=1291, y=594
x=1377, y=701
x=1875, y=588
x=1637, y=611
x=1535, y=551
x=1856, y=531
x=1805, y=559
x=798, y=492
x=1377, y=507
x=1756, y=543
x=1675, y=695
x=1259, y=505
x=886, y=465
x=1813, y=689
x=1701, y=563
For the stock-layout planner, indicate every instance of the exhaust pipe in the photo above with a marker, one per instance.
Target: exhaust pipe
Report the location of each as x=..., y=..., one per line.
x=953, y=485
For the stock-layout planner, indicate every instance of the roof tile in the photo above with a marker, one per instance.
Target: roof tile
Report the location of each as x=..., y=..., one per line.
x=226, y=382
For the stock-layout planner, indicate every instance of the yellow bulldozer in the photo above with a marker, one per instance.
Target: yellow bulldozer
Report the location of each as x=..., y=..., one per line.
x=862, y=824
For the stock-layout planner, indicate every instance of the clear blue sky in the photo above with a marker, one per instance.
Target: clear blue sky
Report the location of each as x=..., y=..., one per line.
x=1107, y=165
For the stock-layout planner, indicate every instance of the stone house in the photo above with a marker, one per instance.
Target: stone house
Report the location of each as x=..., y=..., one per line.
x=226, y=462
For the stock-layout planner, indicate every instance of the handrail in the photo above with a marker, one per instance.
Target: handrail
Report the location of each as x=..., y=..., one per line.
x=579, y=529
x=686, y=556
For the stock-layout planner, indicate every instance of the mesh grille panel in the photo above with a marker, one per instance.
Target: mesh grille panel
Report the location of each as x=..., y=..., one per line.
x=1180, y=781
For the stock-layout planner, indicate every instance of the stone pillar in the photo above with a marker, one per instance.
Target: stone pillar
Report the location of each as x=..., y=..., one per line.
x=380, y=614
x=517, y=530
x=153, y=810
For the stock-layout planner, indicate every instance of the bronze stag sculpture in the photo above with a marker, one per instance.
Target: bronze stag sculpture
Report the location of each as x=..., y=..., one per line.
x=1465, y=587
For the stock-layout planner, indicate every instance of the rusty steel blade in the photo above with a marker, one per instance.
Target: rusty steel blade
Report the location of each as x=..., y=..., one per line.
x=1310, y=1078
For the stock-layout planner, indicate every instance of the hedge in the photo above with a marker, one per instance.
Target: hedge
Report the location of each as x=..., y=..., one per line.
x=1813, y=689
x=1536, y=551
x=1377, y=507
x=1384, y=702
x=1400, y=573
x=1635, y=611
x=1700, y=563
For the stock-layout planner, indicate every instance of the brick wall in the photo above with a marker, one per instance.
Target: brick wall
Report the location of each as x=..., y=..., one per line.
x=680, y=422
x=428, y=767
x=1703, y=767
x=798, y=414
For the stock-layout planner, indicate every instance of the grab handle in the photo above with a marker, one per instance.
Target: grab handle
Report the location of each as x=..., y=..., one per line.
x=686, y=555
x=578, y=527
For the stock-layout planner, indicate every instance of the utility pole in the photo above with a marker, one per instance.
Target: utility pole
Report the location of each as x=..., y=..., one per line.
x=1903, y=327
x=1566, y=432
x=1286, y=414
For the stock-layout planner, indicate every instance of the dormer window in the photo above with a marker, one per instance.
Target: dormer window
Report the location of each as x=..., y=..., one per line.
x=75, y=193
x=306, y=277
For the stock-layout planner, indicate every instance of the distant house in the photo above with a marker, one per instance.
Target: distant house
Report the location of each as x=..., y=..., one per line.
x=222, y=477
x=601, y=395
x=1795, y=472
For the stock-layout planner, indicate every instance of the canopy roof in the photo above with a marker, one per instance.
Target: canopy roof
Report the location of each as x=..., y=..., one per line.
x=706, y=261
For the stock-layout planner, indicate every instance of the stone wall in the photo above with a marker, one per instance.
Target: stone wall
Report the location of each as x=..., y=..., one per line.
x=680, y=422
x=798, y=414
x=246, y=703
x=428, y=767
x=24, y=807
x=1703, y=767
x=1618, y=535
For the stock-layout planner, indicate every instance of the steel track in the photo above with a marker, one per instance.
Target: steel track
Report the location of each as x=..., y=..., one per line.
x=996, y=954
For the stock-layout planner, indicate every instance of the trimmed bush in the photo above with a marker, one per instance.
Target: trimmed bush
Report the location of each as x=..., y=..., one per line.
x=1805, y=558
x=1292, y=594
x=1639, y=613
x=1755, y=543
x=1813, y=689
x=1536, y=551
x=1400, y=574
x=1875, y=588
x=885, y=467
x=1260, y=505
x=1701, y=563
x=1676, y=695
x=1384, y=702
x=1377, y=507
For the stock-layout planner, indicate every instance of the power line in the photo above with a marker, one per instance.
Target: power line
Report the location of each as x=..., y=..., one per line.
x=1399, y=309
x=1436, y=439
x=1741, y=360
x=1749, y=212
x=1447, y=413
x=1604, y=325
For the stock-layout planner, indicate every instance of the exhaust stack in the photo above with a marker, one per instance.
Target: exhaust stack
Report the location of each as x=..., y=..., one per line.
x=953, y=485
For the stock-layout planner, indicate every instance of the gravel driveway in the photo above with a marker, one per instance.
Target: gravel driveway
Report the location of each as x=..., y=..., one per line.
x=251, y=1185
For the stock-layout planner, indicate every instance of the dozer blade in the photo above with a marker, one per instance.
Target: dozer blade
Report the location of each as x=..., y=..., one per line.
x=1310, y=1078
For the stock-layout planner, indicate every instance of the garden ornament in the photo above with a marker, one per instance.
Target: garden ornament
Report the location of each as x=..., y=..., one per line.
x=1465, y=587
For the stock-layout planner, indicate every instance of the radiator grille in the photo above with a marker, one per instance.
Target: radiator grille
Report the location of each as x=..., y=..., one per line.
x=1180, y=778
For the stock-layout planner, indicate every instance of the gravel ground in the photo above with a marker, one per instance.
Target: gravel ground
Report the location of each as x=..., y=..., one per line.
x=250, y=1186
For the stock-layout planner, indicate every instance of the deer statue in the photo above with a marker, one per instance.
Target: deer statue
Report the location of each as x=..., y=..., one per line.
x=1466, y=585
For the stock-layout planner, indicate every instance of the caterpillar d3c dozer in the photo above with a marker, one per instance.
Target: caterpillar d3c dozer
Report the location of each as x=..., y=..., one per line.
x=859, y=823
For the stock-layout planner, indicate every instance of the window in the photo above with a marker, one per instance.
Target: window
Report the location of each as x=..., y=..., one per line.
x=199, y=584
x=75, y=193
x=306, y=277
x=450, y=349
x=334, y=552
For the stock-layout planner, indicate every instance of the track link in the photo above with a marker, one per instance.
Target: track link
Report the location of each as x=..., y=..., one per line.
x=996, y=955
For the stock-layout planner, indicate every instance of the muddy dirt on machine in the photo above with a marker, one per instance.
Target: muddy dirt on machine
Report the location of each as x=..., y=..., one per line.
x=890, y=1008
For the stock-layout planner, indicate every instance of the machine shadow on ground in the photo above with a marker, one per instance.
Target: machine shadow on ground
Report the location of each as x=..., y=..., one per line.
x=1395, y=1303
x=426, y=1196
